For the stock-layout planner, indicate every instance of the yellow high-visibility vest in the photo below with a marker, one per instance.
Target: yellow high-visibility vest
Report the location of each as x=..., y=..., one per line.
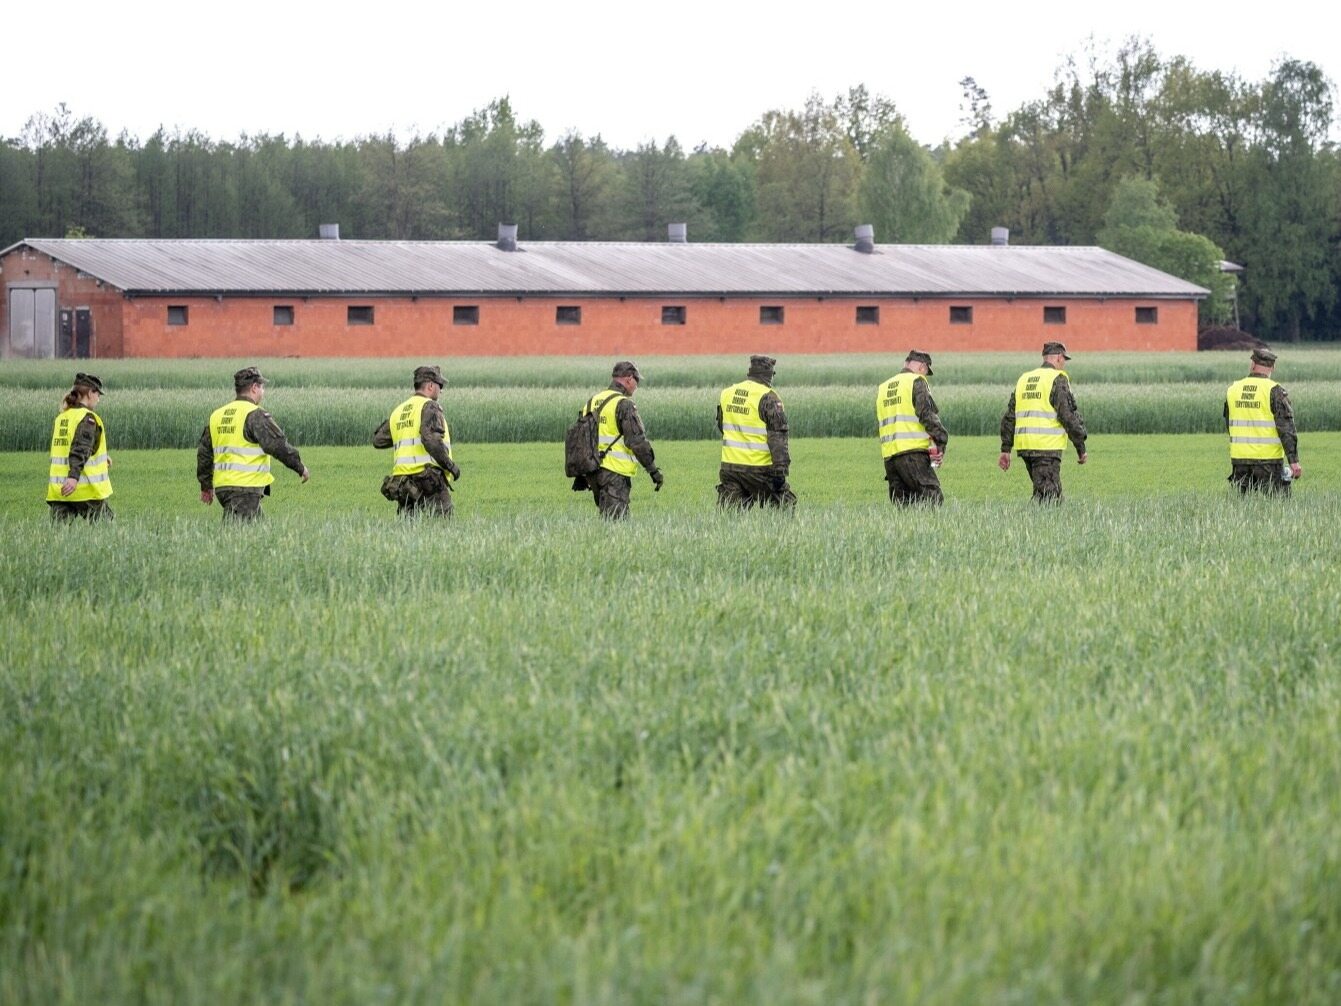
x=95, y=481
x=1252, y=428
x=1037, y=427
x=744, y=434
x=617, y=456
x=411, y=457
x=238, y=463
x=900, y=429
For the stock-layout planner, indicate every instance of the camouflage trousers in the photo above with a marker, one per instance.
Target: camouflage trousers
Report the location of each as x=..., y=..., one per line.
x=610, y=491
x=90, y=510
x=912, y=479
x=742, y=488
x=240, y=504
x=1045, y=471
x=1259, y=476
x=425, y=492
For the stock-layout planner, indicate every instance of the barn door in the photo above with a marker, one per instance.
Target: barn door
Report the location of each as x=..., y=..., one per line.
x=32, y=322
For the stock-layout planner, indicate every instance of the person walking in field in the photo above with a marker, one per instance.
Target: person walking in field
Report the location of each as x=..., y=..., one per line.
x=1263, y=444
x=422, y=468
x=1041, y=414
x=79, y=481
x=912, y=437
x=233, y=456
x=755, y=456
x=622, y=443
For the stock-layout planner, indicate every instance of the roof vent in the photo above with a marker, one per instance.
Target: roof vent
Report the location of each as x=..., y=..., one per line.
x=677, y=234
x=865, y=234
x=507, y=237
x=328, y=232
x=1000, y=237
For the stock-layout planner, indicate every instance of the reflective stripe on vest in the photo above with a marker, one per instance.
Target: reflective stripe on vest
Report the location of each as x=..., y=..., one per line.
x=617, y=457
x=1037, y=427
x=900, y=429
x=95, y=481
x=1252, y=426
x=238, y=463
x=407, y=436
x=744, y=433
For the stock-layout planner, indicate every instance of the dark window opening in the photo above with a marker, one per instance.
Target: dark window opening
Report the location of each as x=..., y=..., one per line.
x=359, y=315
x=283, y=314
x=961, y=315
x=672, y=314
x=1054, y=316
x=177, y=314
x=568, y=314
x=770, y=315
x=465, y=314
x=868, y=316
x=1147, y=316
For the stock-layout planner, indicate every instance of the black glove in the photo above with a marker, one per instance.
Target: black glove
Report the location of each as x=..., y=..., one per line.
x=658, y=479
x=778, y=483
x=456, y=472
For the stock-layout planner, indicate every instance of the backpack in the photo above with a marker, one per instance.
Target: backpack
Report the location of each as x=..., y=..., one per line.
x=581, y=452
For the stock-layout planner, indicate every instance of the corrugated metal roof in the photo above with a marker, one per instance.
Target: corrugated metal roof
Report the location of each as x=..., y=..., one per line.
x=147, y=266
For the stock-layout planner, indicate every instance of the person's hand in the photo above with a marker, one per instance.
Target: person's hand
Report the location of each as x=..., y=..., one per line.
x=207, y=496
x=304, y=475
x=1081, y=460
x=778, y=483
x=937, y=455
x=658, y=479
x=456, y=473
x=69, y=485
x=1003, y=461
x=1296, y=470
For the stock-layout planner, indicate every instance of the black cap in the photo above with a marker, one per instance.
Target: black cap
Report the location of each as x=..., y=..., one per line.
x=916, y=355
x=426, y=373
x=246, y=377
x=626, y=368
x=1055, y=349
x=1264, y=357
x=89, y=381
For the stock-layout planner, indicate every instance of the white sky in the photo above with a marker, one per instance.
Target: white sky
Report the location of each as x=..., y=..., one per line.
x=703, y=71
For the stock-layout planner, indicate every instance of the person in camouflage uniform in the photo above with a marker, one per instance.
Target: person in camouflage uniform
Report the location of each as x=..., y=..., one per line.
x=419, y=482
x=910, y=471
x=73, y=451
x=1260, y=451
x=258, y=440
x=755, y=456
x=623, y=441
x=1061, y=419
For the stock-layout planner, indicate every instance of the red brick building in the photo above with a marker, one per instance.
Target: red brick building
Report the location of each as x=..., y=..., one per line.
x=189, y=298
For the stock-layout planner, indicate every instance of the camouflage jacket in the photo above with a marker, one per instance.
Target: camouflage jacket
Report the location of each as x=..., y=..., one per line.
x=261, y=429
x=775, y=420
x=432, y=431
x=927, y=413
x=1283, y=412
x=1068, y=414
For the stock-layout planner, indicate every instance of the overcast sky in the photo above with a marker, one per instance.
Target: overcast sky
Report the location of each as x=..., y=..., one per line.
x=702, y=71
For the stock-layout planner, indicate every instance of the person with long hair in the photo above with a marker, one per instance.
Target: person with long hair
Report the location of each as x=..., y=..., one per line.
x=79, y=481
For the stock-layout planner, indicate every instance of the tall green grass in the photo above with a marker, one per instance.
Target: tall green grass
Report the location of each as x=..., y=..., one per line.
x=348, y=416
x=831, y=758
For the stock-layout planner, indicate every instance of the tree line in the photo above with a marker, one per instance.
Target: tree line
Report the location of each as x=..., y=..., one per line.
x=1149, y=156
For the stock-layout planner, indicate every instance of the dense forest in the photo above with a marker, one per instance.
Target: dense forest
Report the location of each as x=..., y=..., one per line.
x=1147, y=155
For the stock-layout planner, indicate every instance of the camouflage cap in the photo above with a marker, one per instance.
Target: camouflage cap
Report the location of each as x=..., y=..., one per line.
x=247, y=376
x=626, y=368
x=1055, y=349
x=426, y=373
x=89, y=381
x=1263, y=357
x=762, y=364
x=916, y=355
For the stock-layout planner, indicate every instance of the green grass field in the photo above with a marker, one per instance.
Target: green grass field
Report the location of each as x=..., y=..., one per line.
x=987, y=753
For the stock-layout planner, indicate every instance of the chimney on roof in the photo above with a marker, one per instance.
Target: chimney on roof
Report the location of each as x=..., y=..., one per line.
x=1000, y=237
x=677, y=234
x=865, y=235
x=507, y=237
x=328, y=232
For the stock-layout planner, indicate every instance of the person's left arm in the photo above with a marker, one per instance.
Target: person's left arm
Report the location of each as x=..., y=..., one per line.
x=1283, y=412
x=927, y=414
x=775, y=420
x=630, y=426
x=261, y=428
x=1068, y=413
x=433, y=432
